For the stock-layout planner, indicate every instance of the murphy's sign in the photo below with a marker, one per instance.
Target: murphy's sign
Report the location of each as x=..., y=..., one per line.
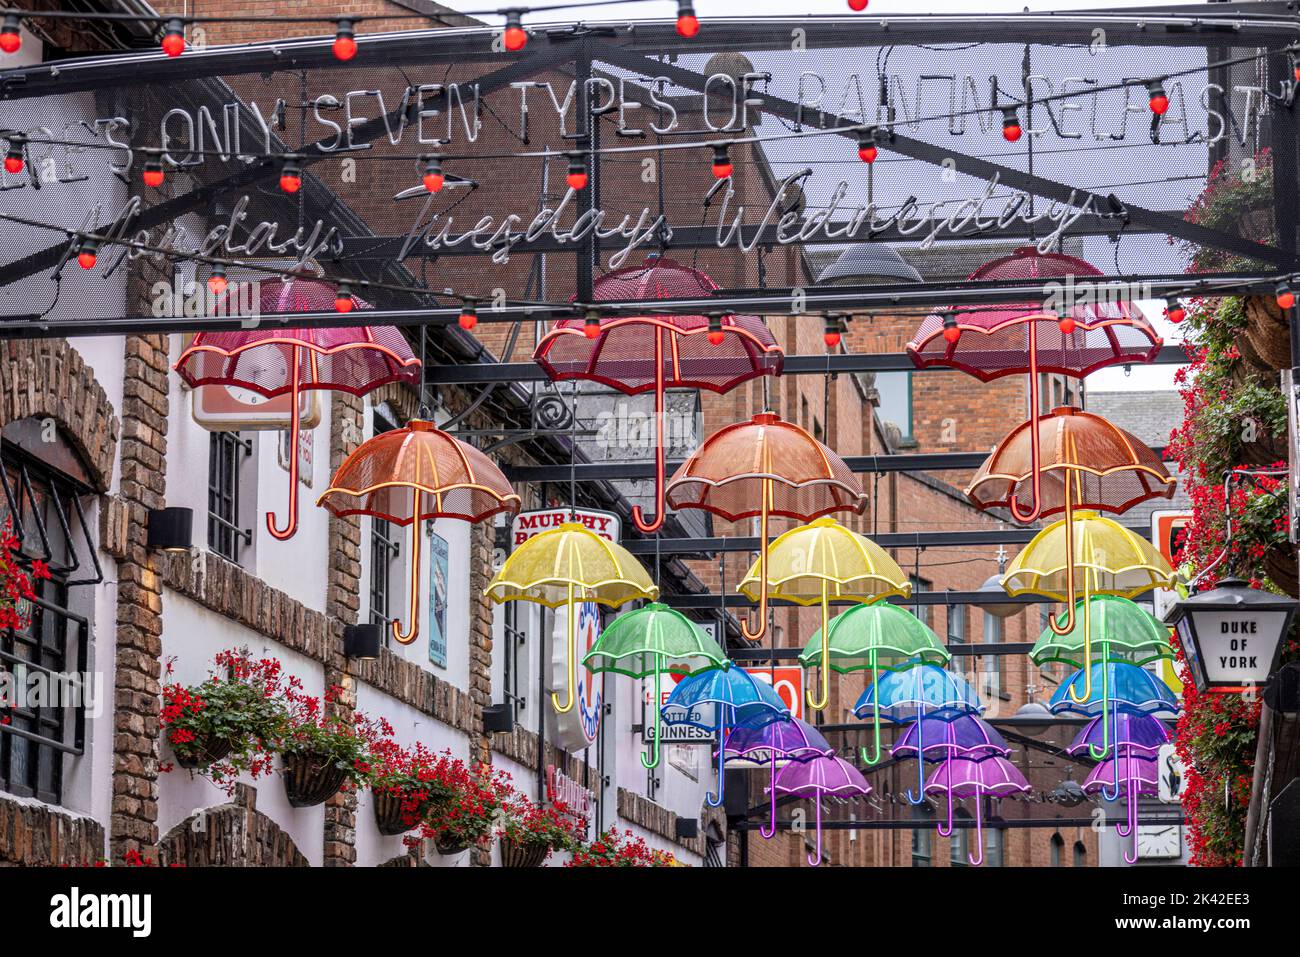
x=527, y=524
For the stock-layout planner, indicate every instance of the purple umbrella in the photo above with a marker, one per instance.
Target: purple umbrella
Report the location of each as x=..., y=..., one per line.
x=963, y=778
x=965, y=736
x=1131, y=775
x=818, y=777
x=1140, y=734
x=782, y=741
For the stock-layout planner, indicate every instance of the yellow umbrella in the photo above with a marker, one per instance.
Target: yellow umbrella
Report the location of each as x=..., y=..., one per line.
x=565, y=564
x=1111, y=559
x=822, y=560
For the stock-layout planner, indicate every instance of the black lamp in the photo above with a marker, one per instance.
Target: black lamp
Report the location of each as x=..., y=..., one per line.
x=170, y=529
x=1231, y=634
x=498, y=718
x=362, y=642
x=687, y=828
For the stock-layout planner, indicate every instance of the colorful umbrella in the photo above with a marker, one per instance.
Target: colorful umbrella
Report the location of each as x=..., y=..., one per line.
x=924, y=691
x=273, y=362
x=1121, y=629
x=640, y=643
x=1140, y=734
x=408, y=475
x=762, y=468
x=638, y=354
x=1026, y=338
x=964, y=736
x=1114, y=561
x=737, y=700
x=775, y=744
x=815, y=563
x=961, y=778
x=566, y=564
x=874, y=636
x=1131, y=776
x=1134, y=690
x=816, y=778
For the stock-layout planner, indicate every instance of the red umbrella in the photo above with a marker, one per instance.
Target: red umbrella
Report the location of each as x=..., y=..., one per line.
x=1028, y=337
x=761, y=468
x=278, y=361
x=637, y=354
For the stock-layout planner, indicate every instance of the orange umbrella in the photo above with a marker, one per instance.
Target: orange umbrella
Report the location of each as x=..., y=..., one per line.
x=761, y=468
x=415, y=473
x=1078, y=461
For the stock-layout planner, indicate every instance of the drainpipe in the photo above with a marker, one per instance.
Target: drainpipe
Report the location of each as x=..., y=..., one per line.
x=1258, y=799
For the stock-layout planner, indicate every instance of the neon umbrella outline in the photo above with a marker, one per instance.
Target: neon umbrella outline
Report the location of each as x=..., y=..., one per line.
x=1124, y=631
x=963, y=778
x=822, y=560
x=653, y=633
x=963, y=736
x=775, y=744
x=1138, y=734
x=816, y=778
x=1138, y=778
x=1114, y=560
x=1005, y=339
x=784, y=468
x=446, y=478
x=275, y=361
x=553, y=566
x=738, y=699
x=874, y=636
x=620, y=357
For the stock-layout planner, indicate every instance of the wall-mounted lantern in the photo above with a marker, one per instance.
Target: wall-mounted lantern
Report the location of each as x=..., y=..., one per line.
x=1231, y=634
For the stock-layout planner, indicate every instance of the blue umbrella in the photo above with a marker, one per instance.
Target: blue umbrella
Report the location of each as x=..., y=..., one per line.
x=738, y=700
x=926, y=691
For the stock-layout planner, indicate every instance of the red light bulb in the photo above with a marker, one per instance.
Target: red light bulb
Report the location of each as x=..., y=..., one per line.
x=217, y=283
x=343, y=301
x=14, y=163
x=1285, y=297
x=716, y=336
x=1175, y=311
x=577, y=176
x=857, y=6
x=592, y=327
x=345, y=44
x=868, y=154
x=1066, y=325
x=11, y=37
x=831, y=338
x=173, y=41
x=468, y=319
x=688, y=25
x=86, y=259
x=952, y=333
x=514, y=38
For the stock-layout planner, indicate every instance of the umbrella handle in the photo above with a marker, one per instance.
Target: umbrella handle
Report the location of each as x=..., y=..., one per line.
x=947, y=763
x=1121, y=829
x=1035, y=453
x=1105, y=719
x=413, y=585
x=1068, y=627
x=978, y=858
x=870, y=759
x=769, y=832
x=920, y=765
x=815, y=859
x=652, y=760
x=638, y=516
x=1087, y=647
x=762, y=572
x=570, y=667
x=826, y=660
x=1132, y=828
x=281, y=534
x=710, y=799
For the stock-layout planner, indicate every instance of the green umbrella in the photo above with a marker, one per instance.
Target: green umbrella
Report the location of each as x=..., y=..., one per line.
x=639, y=643
x=875, y=636
x=1124, y=631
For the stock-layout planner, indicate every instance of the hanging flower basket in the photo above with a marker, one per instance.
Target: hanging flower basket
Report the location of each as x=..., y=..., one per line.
x=522, y=854
x=311, y=779
x=202, y=752
x=450, y=844
x=390, y=818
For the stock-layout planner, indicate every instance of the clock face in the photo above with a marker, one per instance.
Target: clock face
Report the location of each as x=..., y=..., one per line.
x=1160, y=841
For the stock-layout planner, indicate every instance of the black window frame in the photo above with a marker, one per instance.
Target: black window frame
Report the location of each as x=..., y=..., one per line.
x=227, y=454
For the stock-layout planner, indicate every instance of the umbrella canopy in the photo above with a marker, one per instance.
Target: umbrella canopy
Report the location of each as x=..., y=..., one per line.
x=566, y=564
x=823, y=560
x=761, y=468
x=1124, y=630
x=1134, y=690
x=736, y=698
x=961, y=778
x=275, y=361
x=924, y=691
x=965, y=736
x=999, y=340
x=642, y=642
x=775, y=745
x=817, y=778
x=1136, y=734
x=637, y=354
x=1130, y=776
x=411, y=474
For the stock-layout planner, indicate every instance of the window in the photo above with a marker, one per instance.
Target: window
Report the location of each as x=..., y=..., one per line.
x=513, y=642
x=993, y=664
x=956, y=615
x=895, y=390
x=1080, y=854
x=923, y=612
x=994, y=841
x=44, y=708
x=959, y=847
x=383, y=550
x=226, y=456
x=922, y=837
x=1058, y=850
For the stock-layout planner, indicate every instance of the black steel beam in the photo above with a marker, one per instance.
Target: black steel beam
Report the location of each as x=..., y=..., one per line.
x=794, y=365
x=746, y=655
x=962, y=823
x=704, y=601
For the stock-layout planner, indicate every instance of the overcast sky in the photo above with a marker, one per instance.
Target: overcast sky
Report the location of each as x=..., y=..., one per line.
x=1139, y=377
